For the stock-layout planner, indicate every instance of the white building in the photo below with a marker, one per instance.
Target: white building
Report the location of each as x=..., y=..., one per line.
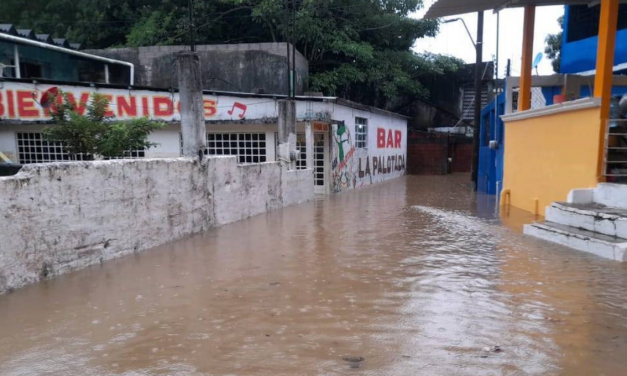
x=350, y=145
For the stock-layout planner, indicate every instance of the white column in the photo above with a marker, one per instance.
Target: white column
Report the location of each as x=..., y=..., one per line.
x=16, y=61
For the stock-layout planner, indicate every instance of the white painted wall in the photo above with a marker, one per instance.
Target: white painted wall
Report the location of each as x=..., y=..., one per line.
x=60, y=217
x=359, y=167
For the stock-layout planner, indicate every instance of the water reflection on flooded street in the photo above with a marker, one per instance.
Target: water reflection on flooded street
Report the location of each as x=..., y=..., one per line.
x=411, y=275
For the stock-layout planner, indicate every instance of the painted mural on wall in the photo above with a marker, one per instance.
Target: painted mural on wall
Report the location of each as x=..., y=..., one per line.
x=343, y=158
x=383, y=159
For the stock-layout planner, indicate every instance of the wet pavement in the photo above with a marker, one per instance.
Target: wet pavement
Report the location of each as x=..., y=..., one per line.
x=409, y=277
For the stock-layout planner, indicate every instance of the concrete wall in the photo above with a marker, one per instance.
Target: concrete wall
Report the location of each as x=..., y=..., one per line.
x=549, y=152
x=65, y=216
x=229, y=67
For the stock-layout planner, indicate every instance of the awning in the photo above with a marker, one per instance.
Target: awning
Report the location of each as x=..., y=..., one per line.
x=443, y=8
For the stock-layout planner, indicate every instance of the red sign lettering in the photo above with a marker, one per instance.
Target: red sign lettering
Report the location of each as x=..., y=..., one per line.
x=380, y=138
x=26, y=104
x=10, y=103
x=162, y=106
x=1, y=106
x=127, y=106
x=80, y=106
x=391, y=139
x=210, y=107
x=108, y=111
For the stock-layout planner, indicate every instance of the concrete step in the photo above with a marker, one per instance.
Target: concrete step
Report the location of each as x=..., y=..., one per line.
x=608, y=247
x=611, y=194
x=592, y=217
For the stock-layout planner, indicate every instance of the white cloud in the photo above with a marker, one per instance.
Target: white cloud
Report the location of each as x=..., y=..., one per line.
x=453, y=40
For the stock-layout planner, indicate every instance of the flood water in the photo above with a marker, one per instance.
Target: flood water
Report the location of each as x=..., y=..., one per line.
x=416, y=276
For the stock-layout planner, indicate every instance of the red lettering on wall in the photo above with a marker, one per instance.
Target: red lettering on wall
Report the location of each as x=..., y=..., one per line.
x=210, y=107
x=1, y=106
x=381, y=138
x=145, y=110
x=108, y=111
x=79, y=106
x=162, y=106
x=26, y=104
x=10, y=104
x=127, y=106
x=393, y=138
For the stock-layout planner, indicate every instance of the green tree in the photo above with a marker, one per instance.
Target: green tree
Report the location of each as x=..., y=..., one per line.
x=357, y=49
x=93, y=134
x=553, y=47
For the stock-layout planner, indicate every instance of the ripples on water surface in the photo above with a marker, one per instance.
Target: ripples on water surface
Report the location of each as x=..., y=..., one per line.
x=412, y=275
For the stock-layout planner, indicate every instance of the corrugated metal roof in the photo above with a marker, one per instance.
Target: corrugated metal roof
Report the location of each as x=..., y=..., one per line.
x=45, y=38
x=443, y=8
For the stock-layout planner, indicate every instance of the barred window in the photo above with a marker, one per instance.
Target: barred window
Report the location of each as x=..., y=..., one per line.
x=32, y=148
x=248, y=147
x=301, y=145
x=361, y=133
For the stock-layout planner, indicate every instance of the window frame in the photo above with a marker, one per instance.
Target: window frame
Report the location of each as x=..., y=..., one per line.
x=361, y=133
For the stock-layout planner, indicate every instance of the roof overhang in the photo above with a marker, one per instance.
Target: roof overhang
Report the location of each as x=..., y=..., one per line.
x=443, y=8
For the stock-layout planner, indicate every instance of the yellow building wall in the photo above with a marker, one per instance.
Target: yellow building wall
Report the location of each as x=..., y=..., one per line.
x=548, y=156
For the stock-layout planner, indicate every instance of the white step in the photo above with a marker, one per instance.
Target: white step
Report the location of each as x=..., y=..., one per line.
x=611, y=194
x=592, y=217
x=601, y=245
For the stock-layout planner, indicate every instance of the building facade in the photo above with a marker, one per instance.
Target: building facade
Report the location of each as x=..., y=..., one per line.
x=350, y=145
x=24, y=54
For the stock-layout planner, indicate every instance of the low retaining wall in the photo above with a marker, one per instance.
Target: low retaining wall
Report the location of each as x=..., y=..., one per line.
x=65, y=216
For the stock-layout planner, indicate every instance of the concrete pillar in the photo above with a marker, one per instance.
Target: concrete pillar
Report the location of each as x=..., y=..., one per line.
x=287, y=132
x=309, y=144
x=192, y=111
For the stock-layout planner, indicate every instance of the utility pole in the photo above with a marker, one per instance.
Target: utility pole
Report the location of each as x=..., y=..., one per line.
x=477, y=120
x=192, y=114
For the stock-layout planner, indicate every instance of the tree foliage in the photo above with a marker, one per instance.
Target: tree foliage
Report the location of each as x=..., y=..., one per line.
x=93, y=134
x=358, y=49
x=553, y=49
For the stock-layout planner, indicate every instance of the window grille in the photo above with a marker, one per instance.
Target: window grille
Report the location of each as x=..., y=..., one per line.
x=32, y=148
x=248, y=147
x=301, y=145
x=361, y=133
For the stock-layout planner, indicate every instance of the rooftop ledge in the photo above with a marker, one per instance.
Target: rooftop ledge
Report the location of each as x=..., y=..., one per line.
x=576, y=105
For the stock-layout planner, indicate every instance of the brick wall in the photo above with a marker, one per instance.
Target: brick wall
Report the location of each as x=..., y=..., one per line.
x=429, y=153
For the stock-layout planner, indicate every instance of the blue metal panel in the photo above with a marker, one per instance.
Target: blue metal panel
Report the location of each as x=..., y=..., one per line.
x=580, y=56
x=490, y=174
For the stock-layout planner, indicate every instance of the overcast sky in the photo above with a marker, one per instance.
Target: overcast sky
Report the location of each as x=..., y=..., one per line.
x=453, y=40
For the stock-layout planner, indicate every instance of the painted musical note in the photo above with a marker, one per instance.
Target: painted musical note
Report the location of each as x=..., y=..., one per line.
x=239, y=106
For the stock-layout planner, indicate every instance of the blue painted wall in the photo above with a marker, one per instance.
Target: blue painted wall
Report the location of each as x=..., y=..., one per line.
x=490, y=174
x=580, y=56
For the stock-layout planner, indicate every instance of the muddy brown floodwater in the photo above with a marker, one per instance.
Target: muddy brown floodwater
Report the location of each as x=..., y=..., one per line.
x=416, y=276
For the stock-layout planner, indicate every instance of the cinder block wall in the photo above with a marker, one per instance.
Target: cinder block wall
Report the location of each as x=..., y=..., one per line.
x=65, y=216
